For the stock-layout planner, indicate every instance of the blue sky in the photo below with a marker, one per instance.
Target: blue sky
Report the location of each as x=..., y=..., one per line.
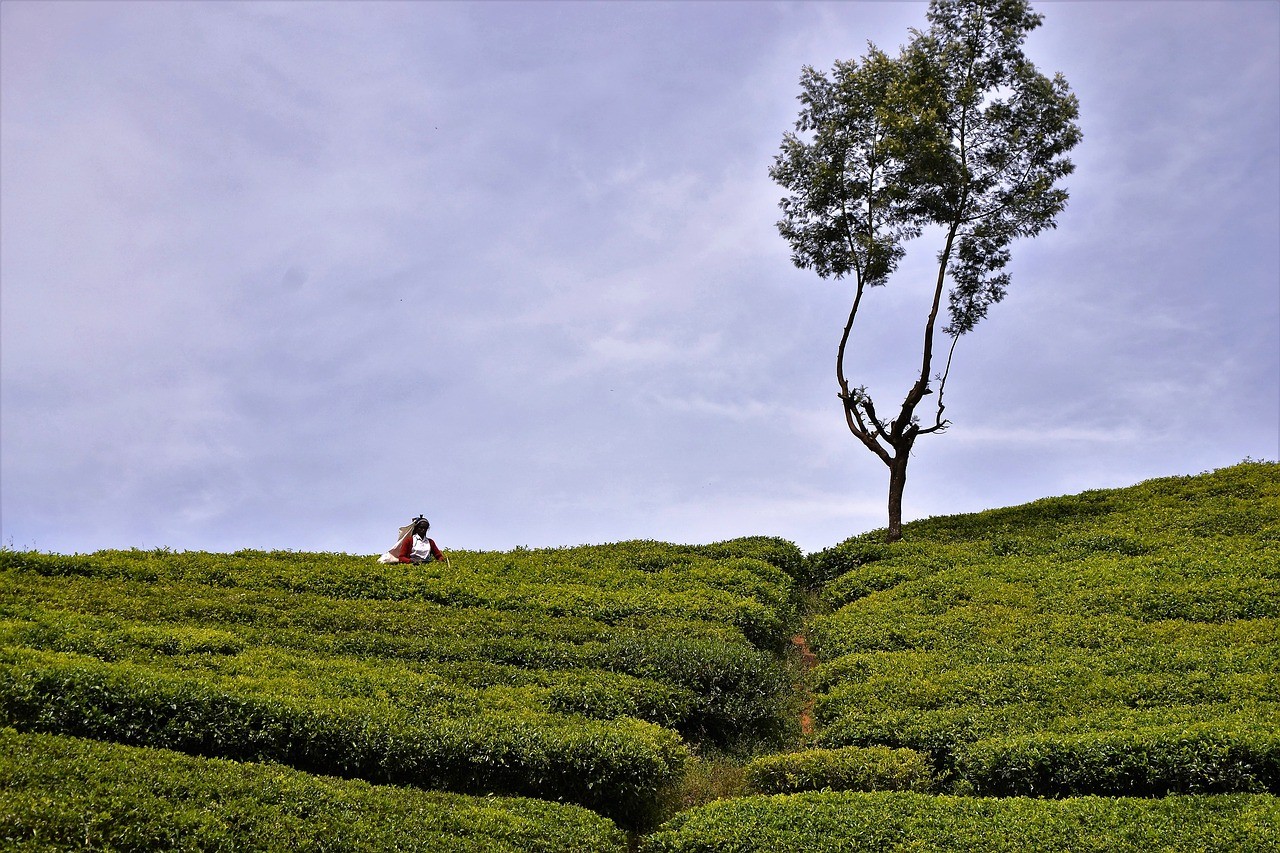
x=284, y=275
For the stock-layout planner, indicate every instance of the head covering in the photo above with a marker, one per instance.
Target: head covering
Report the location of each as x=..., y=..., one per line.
x=408, y=528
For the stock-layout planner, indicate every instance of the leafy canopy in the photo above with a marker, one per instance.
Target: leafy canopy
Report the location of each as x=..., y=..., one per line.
x=960, y=130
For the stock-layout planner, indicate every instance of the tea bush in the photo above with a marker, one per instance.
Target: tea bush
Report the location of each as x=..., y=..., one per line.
x=598, y=582
x=613, y=766
x=838, y=822
x=874, y=768
x=1105, y=643
x=1119, y=642
x=64, y=793
x=1199, y=758
x=567, y=673
x=700, y=678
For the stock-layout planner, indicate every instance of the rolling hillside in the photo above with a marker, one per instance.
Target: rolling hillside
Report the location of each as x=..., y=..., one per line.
x=1096, y=671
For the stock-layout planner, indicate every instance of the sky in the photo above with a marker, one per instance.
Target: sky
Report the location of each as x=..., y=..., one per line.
x=284, y=275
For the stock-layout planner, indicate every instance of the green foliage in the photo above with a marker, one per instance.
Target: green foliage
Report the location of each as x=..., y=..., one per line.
x=767, y=549
x=1119, y=643
x=823, y=567
x=959, y=133
x=1197, y=758
x=64, y=793
x=652, y=625
x=611, y=584
x=867, y=564
x=831, y=822
x=875, y=768
x=706, y=778
x=568, y=674
x=612, y=766
x=1104, y=643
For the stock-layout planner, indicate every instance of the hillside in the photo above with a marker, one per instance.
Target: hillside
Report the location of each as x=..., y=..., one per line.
x=1119, y=642
x=1092, y=649
x=1103, y=664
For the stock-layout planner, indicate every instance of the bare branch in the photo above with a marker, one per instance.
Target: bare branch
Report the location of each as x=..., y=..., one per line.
x=844, y=340
x=871, y=413
x=941, y=425
x=920, y=388
x=863, y=434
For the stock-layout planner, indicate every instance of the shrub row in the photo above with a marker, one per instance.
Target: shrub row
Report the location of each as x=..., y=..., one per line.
x=273, y=671
x=874, y=768
x=644, y=555
x=1202, y=759
x=1194, y=527
x=705, y=680
x=1071, y=684
x=609, y=583
x=995, y=603
x=607, y=599
x=614, y=767
x=866, y=564
x=831, y=822
x=1111, y=642
x=1240, y=499
x=64, y=793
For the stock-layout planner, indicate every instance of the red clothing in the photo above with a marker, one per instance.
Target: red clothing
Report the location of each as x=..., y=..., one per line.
x=406, y=547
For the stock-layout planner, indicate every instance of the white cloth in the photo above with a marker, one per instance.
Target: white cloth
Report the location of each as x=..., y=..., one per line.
x=422, y=550
x=391, y=556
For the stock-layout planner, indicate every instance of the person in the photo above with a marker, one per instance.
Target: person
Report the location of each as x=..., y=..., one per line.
x=413, y=545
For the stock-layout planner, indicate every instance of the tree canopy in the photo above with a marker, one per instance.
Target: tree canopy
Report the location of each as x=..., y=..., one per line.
x=959, y=131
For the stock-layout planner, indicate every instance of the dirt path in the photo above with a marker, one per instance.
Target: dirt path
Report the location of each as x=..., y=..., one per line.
x=808, y=660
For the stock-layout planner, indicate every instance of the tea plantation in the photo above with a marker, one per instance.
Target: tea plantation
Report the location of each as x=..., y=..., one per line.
x=1094, y=672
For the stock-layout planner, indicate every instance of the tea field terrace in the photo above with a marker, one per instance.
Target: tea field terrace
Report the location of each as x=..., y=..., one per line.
x=579, y=675
x=1095, y=672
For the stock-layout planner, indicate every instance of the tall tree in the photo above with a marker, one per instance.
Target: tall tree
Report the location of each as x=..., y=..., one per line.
x=959, y=131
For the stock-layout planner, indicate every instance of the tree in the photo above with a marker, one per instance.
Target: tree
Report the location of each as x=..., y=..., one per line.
x=961, y=134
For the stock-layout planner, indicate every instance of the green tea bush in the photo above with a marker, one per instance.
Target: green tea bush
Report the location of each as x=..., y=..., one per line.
x=1202, y=759
x=823, y=567
x=613, y=766
x=1116, y=642
x=610, y=583
x=680, y=666
x=874, y=768
x=839, y=822
x=564, y=673
x=64, y=793
x=410, y=685
x=768, y=549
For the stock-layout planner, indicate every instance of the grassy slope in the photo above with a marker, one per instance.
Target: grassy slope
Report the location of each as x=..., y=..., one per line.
x=74, y=794
x=578, y=675
x=1122, y=642
x=1041, y=649
x=1116, y=642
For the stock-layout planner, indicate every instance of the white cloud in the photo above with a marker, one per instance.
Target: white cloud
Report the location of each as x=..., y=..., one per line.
x=1051, y=436
x=260, y=260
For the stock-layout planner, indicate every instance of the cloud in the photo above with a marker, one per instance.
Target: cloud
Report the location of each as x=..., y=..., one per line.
x=1051, y=436
x=276, y=275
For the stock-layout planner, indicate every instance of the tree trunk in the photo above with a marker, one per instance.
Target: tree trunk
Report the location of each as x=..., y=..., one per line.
x=897, y=481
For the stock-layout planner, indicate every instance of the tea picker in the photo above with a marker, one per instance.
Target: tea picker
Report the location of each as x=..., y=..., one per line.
x=413, y=545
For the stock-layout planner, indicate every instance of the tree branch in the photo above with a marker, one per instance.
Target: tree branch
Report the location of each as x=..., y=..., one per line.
x=871, y=413
x=863, y=434
x=1014, y=193
x=940, y=425
x=916, y=394
x=844, y=341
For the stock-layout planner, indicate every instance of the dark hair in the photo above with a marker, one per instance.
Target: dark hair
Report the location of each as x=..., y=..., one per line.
x=422, y=521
